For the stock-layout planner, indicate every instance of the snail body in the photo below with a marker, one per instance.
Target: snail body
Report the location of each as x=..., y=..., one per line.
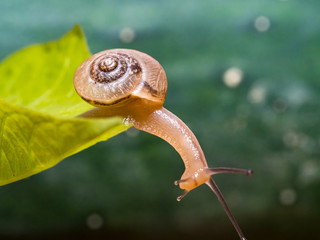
x=133, y=85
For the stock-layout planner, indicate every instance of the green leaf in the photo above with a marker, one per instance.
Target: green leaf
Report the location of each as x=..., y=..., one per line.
x=40, y=77
x=38, y=108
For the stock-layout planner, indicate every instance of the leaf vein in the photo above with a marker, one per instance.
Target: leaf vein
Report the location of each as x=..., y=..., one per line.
x=3, y=120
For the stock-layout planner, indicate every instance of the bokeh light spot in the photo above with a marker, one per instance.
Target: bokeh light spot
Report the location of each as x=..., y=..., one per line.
x=94, y=221
x=279, y=105
x=239, y=123
x=257, y=94
x=127, y=35
x=262, y=24
x=232, y=77
x=309, y=171
x=132, y=132
x=299, y=140
x=291, y=139
x=288, y=196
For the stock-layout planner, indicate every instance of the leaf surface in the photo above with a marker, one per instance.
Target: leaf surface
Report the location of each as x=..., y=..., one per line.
x=39, y=108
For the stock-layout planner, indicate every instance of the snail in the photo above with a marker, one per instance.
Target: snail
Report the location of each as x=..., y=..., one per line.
x=133, y=85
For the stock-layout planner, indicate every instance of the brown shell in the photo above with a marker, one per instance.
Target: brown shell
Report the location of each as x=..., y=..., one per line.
x=112, y=76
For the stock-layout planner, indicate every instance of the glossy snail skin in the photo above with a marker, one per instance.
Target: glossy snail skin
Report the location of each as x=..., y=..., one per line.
x=133, y=85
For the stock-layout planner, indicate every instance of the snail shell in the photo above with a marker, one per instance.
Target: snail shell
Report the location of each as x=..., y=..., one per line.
x=115, y=76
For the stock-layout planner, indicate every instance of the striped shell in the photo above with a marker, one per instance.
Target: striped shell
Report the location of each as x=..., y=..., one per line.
x=110, y=77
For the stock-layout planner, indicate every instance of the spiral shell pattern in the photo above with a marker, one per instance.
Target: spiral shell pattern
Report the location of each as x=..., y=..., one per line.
x=110, y=68
x=113, y=76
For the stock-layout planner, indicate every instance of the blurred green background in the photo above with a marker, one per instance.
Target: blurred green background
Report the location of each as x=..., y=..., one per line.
x=243, y=75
